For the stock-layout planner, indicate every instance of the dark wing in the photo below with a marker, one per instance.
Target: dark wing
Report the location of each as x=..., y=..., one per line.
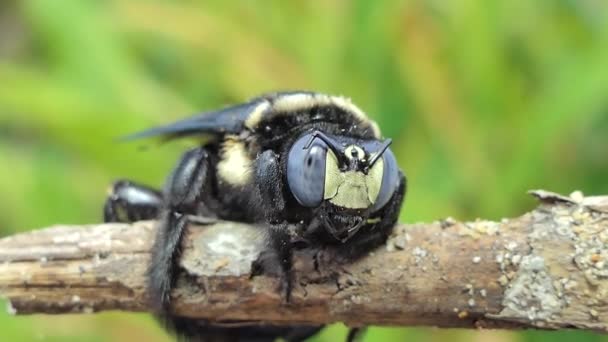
x=227, y=120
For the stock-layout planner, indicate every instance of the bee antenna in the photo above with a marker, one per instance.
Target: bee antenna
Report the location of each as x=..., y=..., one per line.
x=333, y=145
x=377, y=156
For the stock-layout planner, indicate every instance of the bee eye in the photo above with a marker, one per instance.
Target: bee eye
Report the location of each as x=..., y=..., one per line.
x=390, y=179
x=306, y=171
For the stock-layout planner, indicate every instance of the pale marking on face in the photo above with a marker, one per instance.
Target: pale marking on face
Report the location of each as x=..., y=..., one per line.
x=332, y=175
x=351, y=189
x=286, y=104
x=352, y=150
x=235, y=165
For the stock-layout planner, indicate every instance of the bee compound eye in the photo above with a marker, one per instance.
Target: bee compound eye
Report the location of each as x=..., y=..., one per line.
x=390, y=179
x=306, y=171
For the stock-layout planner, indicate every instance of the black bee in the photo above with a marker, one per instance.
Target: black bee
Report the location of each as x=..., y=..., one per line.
x=310, y=166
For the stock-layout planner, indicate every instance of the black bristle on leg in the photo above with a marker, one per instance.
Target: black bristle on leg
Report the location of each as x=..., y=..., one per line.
x=183, y=191
x=276, y=260
x=162, y=271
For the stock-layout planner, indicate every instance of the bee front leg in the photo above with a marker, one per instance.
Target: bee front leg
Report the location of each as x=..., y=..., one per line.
x=277, y=258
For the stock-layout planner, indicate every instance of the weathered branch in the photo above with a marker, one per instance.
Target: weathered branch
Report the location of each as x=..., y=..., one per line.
x=545, y=269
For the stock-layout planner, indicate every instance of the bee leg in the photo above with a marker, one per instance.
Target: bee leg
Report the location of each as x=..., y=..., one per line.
x=183, y=194
x=270, y=185
x=130, y=202
x=277, y=259
x=281, y=243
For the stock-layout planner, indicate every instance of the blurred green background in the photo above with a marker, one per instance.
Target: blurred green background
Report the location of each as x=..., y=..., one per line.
x=484, y=100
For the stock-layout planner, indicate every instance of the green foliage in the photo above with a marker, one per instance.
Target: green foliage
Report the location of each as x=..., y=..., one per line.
x=484, y=99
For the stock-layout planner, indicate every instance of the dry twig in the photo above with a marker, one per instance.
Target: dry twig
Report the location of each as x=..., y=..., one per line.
x=545, y=269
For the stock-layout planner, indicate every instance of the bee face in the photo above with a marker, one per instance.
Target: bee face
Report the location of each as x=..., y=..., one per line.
x=345, y=176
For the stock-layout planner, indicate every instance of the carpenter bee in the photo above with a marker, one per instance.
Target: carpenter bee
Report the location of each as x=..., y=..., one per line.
x=311, y=167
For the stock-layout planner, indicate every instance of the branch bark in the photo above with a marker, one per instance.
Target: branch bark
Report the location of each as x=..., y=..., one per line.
x=546, y=269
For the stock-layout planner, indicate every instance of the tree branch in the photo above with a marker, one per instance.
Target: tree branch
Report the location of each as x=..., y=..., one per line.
x=545, y=269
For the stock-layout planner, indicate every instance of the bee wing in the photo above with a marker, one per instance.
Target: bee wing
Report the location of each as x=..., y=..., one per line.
x=227, y=120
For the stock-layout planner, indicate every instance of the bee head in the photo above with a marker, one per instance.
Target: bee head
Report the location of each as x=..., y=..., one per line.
x=347, y=177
